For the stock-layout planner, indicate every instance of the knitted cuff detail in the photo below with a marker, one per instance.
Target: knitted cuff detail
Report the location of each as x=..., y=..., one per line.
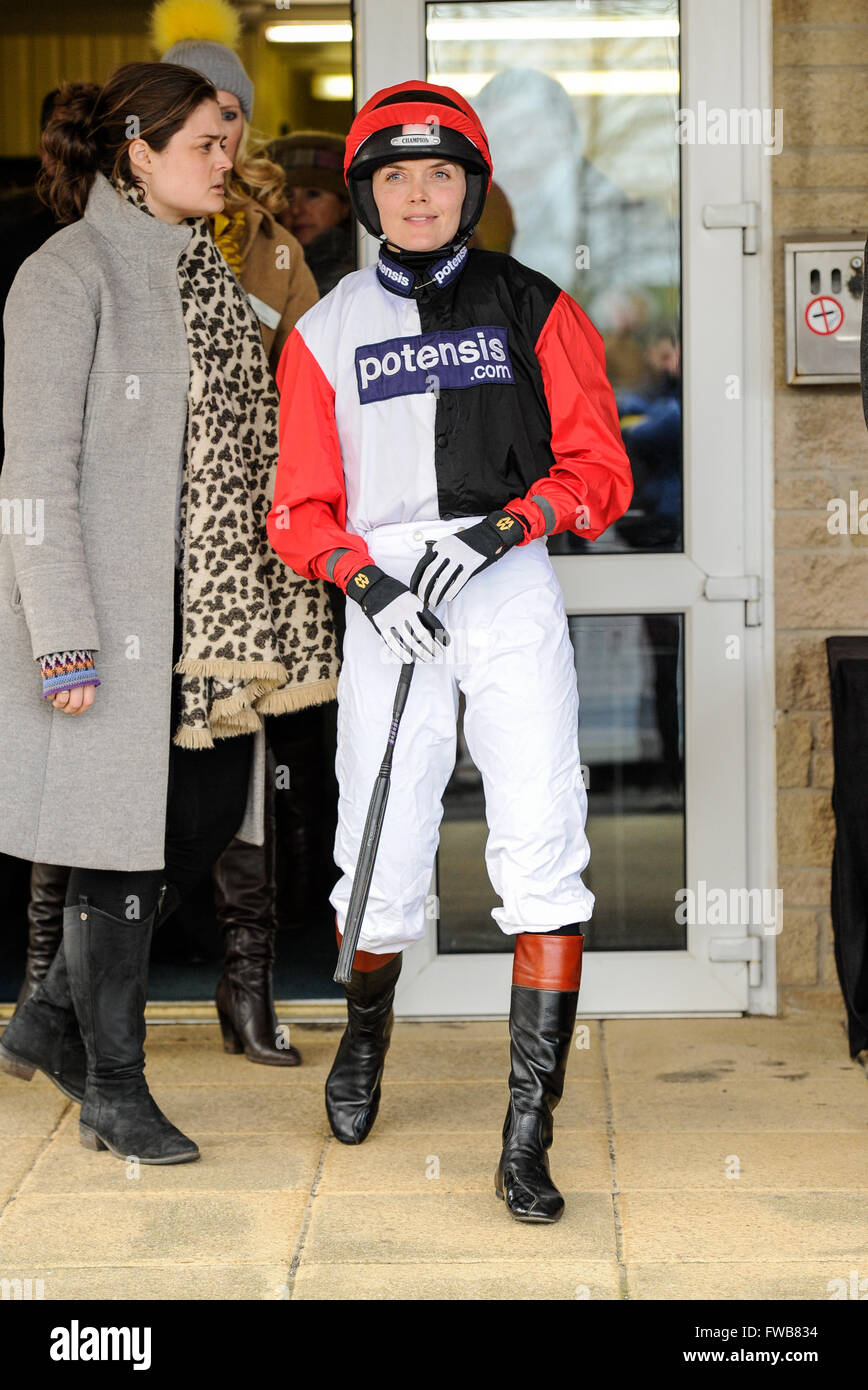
x=333, y=559
x=531, y=514
x=66, y=671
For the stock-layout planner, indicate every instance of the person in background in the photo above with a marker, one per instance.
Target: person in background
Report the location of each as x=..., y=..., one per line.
x=318, y=210
x=495, y=230
x=268, y=261
x=270, y=265
x=318, y=213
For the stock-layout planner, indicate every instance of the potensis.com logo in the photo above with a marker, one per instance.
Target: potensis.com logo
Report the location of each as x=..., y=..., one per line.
x=452, y=359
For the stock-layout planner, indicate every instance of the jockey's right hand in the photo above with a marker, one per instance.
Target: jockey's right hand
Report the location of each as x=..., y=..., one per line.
x=408, y=629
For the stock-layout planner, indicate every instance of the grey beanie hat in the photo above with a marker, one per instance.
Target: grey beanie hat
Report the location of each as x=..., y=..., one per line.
x=216, y=62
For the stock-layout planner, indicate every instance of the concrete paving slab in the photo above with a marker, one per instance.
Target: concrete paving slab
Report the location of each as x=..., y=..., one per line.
x=760, y=1227
x=183, y=1064
x=229, y=1163
x=722, y=1161
x=783, y=1281
x=179, y=1282
x=419, y=1055
x=454, y=1162
x=637, y=1047
x=777, y=1100
x=296, y=1108
x=422, y=1053
x=506, y=1280
x=452, y=1059
x=31, y=1108
x=698, y=1100
x=404, y=1228
x=16, y=1157
x=451, y=1105
x=140, y=1227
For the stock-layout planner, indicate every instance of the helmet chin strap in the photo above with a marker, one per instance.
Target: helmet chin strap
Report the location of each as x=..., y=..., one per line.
x=417, y=261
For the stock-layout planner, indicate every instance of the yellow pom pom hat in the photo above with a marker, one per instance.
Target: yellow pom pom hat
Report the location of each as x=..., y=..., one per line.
x=199, y=34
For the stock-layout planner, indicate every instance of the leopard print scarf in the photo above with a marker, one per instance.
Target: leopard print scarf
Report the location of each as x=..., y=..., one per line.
x=257, y=639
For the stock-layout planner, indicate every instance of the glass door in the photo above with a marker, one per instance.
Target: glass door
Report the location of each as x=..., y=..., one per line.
x=594, y=188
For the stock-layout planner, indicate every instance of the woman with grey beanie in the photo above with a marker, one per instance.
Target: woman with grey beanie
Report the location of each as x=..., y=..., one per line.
x=271, y=267
x=267, y=259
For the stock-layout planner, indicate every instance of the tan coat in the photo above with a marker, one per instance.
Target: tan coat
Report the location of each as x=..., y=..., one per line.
x=274, y=270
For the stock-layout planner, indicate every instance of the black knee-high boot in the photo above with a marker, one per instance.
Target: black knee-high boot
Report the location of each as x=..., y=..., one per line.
x=43, y=1034
x=353, y=1086
x=107, y=959
x=545, y=992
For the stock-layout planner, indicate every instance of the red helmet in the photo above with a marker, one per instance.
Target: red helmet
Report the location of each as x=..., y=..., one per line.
x=416, y=120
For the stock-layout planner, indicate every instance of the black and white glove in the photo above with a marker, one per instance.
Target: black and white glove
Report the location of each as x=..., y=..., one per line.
x=451, y=561
x=405, y=627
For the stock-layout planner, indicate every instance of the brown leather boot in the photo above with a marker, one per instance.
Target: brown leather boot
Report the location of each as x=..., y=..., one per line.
x=245, y=1002
x=244, y=899
x=45, y=923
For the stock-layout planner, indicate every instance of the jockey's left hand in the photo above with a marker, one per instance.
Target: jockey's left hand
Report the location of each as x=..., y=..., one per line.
x=448, y=564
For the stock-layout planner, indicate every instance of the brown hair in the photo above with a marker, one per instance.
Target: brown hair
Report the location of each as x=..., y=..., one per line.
x=91, y=128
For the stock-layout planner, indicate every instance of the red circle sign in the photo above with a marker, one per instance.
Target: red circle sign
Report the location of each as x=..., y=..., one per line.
x=824, y=315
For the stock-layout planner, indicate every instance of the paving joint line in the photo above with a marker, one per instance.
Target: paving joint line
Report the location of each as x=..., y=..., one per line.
x=613, y=1166
x=47, y=1139
x=305, y=1220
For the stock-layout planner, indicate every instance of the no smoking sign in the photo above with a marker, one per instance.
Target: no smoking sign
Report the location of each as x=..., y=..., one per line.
x=824, y=315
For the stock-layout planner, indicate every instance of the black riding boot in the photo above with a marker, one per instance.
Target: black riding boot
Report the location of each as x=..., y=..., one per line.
x=45, y=923
x=107, y=959
x=43, y=1034
x=541, y=1021
x=353, y=1086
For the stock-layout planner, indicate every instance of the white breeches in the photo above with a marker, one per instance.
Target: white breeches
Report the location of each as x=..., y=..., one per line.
x=512, y=657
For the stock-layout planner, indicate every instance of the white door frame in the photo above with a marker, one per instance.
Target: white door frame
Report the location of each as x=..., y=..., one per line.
x=720, y=41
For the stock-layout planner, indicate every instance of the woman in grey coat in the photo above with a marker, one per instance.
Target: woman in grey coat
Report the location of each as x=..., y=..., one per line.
x=141, y=432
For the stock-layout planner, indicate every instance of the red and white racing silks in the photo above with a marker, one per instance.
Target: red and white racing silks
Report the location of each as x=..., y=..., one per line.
x=485, y=389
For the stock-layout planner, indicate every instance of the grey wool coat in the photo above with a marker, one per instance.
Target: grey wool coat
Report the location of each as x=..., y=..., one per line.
x=95, y=408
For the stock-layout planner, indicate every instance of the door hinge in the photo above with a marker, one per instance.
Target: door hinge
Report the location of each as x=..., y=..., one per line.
x=727, y=588
x=744, y=215
x=749, y=948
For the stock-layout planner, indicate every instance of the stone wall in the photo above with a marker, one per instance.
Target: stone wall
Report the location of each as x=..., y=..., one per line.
x=820, y=186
